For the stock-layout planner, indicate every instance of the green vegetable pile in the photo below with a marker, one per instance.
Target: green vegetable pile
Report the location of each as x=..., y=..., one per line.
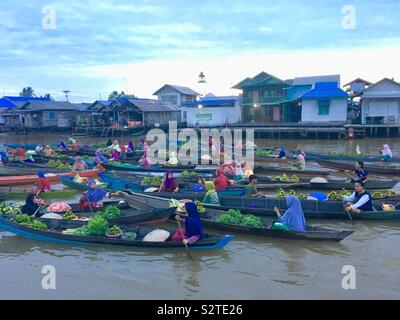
x=110, y=212
x=286, y=178
x=189, y=174
x=26, y=220
x=281, y=194
x=264, y=153
x=200, y=207
x=9, y=209
x=114, y=231
x=96, y=227
x=339, y=195
x=70, y=216
x=58, y=164
x=152, y=181
x=61, y=156
x=233, y=216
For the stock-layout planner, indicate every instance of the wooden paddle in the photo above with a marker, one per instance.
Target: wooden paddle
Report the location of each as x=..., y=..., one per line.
x=186, y=246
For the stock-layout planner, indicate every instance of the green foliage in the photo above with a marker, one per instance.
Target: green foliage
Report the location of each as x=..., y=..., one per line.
x=8, y=209
x=189, y=174
x=200, y=206
x=286, y=178
x=26, y=220
x=58, y=164
x=97, y=226
x=264, y=153
x=22, y=219
x=110, y=212
x=152, y=180
x=36, y=224
x=252, y=221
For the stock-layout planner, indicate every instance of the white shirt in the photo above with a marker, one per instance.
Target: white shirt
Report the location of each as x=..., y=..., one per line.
x=363, y=200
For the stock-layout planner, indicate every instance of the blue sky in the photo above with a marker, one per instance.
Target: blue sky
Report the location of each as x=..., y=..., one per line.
x=101, y=45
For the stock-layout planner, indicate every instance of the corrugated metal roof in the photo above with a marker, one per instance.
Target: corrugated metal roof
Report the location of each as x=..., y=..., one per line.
x=82, y=107
x=180, y=89
x=153, y=106
x=49, y=105
x=26, y=98
x=15, y=102
x=300, y=81
x=325, y=90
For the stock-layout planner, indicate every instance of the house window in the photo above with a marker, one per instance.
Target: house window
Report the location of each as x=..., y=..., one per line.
x=185, y=115
x=323, y=107
x=52, y=116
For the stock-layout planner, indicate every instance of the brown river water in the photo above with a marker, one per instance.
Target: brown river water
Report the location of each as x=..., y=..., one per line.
x=249, y=268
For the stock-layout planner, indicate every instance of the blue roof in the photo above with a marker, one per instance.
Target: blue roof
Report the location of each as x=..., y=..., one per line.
x=214, y=103
x=7, y=101
x=325, y=90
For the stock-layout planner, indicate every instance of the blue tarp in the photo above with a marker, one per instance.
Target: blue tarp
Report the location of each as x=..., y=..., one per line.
x=325, y=90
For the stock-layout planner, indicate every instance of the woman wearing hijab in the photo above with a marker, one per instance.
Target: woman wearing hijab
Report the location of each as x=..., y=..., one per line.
x=43, y=184
x=49, y=152
x=93, y=198
x=99, y=158
x=293, y=218
x=141, y=145
x=74, y=144
x=386, y=153
x=239, y=175
x=109, y=143
x=211, y=196
x=63, y=146
x=131, y=147
x=169, y=183
x=282, y=153
x=122, y=154
x=221, y=182
x=145, y=162
x=30, y=207
x=173, y=159
x=79, y=165
x=193, y=228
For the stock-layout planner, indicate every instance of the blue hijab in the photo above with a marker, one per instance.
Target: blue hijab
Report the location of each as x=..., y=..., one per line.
x=41, y=174
x=294, y=216
x=282, y=151
x=96, y=194
x=193, y=223
x=62, y=145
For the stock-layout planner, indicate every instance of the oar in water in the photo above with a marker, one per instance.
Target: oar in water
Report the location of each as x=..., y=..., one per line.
x=186, y=246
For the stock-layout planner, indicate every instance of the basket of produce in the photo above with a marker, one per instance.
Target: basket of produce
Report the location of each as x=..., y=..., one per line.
x=114, y=232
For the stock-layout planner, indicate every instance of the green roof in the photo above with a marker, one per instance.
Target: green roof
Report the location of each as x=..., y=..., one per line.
x=262, y=79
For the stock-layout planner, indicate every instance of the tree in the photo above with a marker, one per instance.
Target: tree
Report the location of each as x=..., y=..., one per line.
x=27, y=92
x=115, y=95
x=48, y=96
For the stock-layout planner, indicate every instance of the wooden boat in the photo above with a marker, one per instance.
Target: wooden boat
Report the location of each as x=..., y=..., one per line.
x=136, y=213
x=129, y=156
x=21, y=146
x=56, y=235
x=275, y=169
x=343, y=184
x=210, y=220
x=317, y=156
x=154, y=169
x=31, y=179
x=378, y=169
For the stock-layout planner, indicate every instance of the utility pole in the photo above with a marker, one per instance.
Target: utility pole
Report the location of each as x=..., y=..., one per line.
x=66, y=94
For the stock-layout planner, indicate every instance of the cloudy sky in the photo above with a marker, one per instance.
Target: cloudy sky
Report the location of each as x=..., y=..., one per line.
x=99, y=46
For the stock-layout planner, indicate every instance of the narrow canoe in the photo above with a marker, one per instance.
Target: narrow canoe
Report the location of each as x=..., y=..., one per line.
x=273, y=169
x=378, y=169
x=31, y=179
x=316, y=156
x=210, y=220
x=56, y=236
x=342, y=184
x=136, y=168
x=58, y=194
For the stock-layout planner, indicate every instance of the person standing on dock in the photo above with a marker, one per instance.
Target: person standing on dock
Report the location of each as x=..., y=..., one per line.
x=361, y=173
x=360, y=201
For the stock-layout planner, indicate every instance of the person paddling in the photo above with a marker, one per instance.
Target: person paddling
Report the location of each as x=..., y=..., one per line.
x=293, y=218
x=360, y=201
x=193, y=227
x=361, y=173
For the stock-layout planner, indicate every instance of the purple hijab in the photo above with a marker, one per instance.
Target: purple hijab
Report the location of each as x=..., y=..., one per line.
x=96, y=194
x=294, y=216
x=192, y=221
x=131, y=146
x=169, y=182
